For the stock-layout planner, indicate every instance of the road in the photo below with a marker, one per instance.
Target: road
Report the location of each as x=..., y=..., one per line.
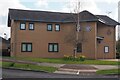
x=9, y=73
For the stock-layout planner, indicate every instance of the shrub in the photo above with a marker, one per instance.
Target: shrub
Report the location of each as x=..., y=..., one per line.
x=72, y=58
x=12, y=64
x=118, y=55
x=82, y=58
x=66, y=57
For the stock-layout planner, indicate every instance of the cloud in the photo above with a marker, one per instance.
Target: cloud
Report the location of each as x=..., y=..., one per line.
x=4, y=29
x=42, y=3
x=105, y=1
x=91, y=6
x=84, y=5
x=4, y=6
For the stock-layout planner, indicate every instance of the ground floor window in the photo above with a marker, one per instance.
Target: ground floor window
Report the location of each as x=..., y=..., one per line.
x=26, y=47
x=79, y=47
x=106, y=49
x=52, y=47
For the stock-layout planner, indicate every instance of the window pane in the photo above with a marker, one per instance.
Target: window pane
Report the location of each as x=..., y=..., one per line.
x=55, y=47
x=22, y=26
x=79, y=47
x=57, y=27
x=50, y=47
x=23, y=47
x=31, y=26
x=49, y=27
x=29, y=47
x=106, y=49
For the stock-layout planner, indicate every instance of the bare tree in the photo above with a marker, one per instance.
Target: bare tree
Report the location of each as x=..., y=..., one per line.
x=76, y=35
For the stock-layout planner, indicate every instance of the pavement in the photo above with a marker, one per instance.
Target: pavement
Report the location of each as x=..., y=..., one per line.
x=83, y=69
x=110, y=59
x=68, y=68
x=34, y=63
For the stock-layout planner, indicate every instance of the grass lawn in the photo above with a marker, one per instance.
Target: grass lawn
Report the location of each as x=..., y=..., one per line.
x=7, y=64
x=111, y=71
x=28, y=67
x=0, y=64
x=62, y=61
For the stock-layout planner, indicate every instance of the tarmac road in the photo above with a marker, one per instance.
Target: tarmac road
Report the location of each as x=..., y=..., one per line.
x=10, y=73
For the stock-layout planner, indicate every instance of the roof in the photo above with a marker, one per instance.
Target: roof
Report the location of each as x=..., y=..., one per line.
x=46, y=16
x=107, y=20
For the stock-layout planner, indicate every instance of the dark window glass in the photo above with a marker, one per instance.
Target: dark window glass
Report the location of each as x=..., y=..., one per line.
x=26, y=47
x=53, y=47
x=49, y=27
x=79, y=47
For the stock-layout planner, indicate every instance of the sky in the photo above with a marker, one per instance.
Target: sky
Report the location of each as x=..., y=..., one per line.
x=100, y=7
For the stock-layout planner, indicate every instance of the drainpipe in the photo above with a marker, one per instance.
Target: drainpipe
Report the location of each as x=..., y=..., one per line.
x=95, y=40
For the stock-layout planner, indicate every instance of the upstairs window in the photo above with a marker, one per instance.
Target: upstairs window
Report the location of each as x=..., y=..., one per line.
x=26, y=47
x=57, y=27
x=22, y=26
x=79, y=47
x=31, y=26
x=53, y=47
x=49, y=27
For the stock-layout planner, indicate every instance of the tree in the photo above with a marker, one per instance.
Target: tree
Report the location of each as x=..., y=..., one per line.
x=76, y=35
x=118, y=49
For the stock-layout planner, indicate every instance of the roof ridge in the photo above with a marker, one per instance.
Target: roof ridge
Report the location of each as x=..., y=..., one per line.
x=38, y=11
x=48, y=11
x=100, y=15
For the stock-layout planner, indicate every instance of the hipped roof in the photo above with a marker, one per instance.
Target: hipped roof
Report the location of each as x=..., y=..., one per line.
x=46, y=16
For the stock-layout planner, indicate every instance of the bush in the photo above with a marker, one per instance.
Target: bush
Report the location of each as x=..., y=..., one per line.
x=66, y=57
x=72, y=58
x=82, y=58
x=118, y=55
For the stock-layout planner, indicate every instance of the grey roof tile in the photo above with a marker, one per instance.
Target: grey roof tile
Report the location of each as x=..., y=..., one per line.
x=45, y=16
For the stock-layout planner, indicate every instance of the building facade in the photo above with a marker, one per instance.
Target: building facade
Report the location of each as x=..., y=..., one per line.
x=45, y=34
x=4, y=47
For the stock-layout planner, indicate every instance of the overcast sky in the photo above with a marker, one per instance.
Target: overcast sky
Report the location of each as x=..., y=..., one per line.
x=101, y=7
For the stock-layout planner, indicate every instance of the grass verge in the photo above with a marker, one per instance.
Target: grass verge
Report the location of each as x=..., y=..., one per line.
x=0, y=64
x=62, y=61
x=111, y=71
x=28, y=67
x=7, y=64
